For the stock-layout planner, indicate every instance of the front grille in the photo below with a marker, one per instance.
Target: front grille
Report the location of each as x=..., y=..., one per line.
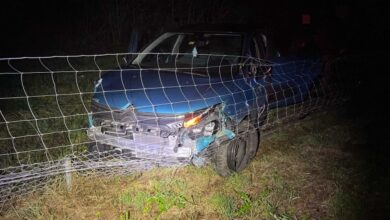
x=121, y=122
x=101, y=113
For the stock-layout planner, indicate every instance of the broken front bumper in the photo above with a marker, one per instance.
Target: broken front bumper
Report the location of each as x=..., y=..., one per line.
x=144, y=145
x=159, y=136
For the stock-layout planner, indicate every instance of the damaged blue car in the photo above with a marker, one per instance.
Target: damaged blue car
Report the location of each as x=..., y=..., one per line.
x=197, y=94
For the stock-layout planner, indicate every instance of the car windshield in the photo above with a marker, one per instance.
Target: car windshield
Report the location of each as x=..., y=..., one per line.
x=198, y=52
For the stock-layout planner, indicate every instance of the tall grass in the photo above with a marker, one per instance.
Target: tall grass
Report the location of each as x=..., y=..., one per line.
x=294, y=176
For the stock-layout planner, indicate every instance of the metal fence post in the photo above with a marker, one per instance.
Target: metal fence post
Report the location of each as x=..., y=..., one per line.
x=68, y=173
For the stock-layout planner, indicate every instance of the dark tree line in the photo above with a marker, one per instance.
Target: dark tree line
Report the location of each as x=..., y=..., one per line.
x=80, y=27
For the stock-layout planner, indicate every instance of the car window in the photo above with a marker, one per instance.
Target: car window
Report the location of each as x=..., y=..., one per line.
x=165, y=47
x=212, y=44
x=195, y=51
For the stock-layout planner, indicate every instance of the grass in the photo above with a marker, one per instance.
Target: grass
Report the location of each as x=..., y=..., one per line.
x=308, y=170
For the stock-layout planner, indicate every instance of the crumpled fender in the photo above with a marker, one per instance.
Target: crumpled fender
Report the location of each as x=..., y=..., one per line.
x=205, y=141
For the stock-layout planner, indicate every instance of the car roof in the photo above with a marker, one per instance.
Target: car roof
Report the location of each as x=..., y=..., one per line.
x=219, y=28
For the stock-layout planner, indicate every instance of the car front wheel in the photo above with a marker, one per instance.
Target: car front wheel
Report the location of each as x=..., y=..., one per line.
x=234, y=155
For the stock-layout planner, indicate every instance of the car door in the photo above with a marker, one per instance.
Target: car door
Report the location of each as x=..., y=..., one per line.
x=255, y=75
x=279, y=81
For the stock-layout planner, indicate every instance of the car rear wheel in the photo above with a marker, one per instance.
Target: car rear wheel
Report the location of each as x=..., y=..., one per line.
x=234, y=155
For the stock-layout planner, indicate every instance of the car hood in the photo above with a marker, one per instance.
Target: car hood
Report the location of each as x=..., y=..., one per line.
x=162, y=92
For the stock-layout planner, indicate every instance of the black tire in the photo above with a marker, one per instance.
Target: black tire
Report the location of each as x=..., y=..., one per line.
x=234, y=155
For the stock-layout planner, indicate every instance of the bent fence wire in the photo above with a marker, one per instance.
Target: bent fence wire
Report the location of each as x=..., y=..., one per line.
x=122, y=113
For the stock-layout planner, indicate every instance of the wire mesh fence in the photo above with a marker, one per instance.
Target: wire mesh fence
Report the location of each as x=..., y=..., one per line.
x=123, y=113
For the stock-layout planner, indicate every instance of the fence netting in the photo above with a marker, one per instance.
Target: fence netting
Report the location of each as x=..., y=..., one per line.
x=122, y=113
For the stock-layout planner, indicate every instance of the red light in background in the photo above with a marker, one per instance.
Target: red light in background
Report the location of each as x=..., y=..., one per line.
x=306, y=19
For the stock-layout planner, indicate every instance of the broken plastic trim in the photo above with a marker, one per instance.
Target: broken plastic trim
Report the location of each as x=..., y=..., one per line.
x=222, y=133
x=205, y=141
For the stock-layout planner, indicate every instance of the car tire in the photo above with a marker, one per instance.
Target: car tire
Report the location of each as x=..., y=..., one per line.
x=234, y=155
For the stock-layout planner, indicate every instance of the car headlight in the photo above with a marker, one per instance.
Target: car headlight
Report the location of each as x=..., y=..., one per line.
x=199, y=122
x=192, y=121
x=194, y=118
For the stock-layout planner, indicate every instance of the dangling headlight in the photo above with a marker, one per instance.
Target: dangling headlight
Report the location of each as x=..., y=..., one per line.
x=199, y=122
x=192, y=119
